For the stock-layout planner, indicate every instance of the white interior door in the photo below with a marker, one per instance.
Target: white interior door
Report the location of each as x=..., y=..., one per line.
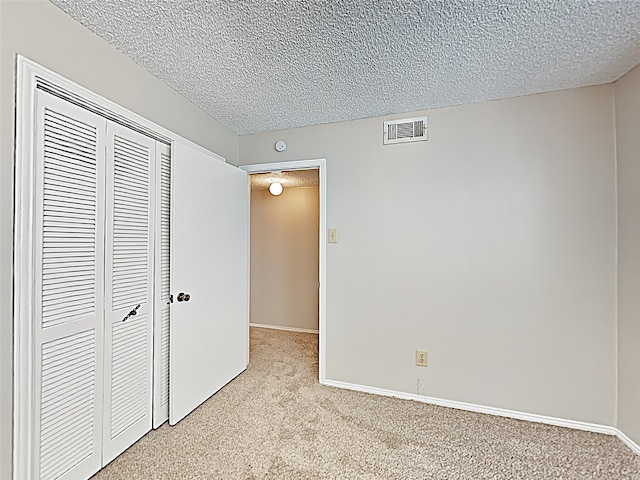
x=209, y=329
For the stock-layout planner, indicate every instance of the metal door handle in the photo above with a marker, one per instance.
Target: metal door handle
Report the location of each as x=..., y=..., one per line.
x=132, y=313
x=183, y=297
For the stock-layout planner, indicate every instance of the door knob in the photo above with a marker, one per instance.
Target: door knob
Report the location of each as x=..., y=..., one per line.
x=183, y=297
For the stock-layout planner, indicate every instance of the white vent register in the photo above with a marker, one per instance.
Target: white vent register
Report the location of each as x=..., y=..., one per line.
x=405, y=130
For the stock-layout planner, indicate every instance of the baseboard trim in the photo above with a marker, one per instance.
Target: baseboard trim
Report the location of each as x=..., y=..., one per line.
x=626, y=440
x=286, y=329
x=501, y=412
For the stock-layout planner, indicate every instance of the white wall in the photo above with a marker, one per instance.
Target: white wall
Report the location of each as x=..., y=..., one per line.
x=46, y=35
x=492, y=246
x=284, y=257
x=627, y=91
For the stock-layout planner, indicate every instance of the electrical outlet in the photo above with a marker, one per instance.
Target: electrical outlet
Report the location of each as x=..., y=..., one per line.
x=421, y=358
x=333, y=235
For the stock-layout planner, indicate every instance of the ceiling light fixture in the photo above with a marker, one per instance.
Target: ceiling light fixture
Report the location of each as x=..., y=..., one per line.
x=275, y=188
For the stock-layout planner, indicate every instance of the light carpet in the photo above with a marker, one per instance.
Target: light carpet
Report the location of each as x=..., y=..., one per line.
x=275, y=421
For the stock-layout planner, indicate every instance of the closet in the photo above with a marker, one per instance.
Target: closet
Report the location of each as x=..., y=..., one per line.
x=116, y=216
x=94, y=235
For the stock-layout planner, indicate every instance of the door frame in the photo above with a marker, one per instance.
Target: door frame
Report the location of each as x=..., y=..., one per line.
x=321, y=165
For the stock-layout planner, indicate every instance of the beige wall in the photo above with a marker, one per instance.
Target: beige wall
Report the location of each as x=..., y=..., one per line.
x=627, y=91
x=284, y=257
x=41, y=32
x=492, y=246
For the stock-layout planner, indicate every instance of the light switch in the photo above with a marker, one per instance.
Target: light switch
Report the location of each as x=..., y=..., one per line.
x=333, y=235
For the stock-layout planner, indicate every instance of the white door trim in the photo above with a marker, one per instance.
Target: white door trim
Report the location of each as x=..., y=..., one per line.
x=321, y=165
x=23, y=261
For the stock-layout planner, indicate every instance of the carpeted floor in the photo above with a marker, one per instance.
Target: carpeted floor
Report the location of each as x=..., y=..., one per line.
x=276, y=422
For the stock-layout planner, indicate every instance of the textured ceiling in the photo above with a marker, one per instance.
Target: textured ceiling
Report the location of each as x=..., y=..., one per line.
x=297, y=178
x=258, y=65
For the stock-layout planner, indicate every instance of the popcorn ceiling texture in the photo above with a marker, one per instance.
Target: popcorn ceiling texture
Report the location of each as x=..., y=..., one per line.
x=260, y=65
x=297, y=178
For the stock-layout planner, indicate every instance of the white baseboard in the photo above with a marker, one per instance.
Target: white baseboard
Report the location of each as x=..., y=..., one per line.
x=630, y=443
x=280, y=327
x=531, y=417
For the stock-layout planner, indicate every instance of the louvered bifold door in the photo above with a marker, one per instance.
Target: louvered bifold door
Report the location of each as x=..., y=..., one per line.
x=162, y=300
x=68, y=303
x=129, y=289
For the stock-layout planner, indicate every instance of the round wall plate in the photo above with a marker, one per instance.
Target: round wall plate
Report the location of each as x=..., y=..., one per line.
x=281, y=146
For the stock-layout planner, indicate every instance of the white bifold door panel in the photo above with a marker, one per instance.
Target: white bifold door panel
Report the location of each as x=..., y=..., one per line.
x=129, y=289
x=67, y=351
x=209, y=329
x=163, y=285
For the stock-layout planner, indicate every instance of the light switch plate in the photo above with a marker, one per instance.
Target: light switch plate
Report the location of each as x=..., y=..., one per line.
x=333, y=235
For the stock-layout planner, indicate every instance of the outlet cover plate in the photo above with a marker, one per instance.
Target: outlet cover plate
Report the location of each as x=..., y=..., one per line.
x=421, y=358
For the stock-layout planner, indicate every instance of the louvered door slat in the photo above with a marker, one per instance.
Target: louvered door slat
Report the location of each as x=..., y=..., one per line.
x=68, y=133
x=65, y=271
x=69, y=270
x=60, y=119
x=127, y=268
x=74, y=154
x=130, y=235
x=68, y=163
x=77, y=178
x=60, y=231
x=133, y=206
x=72, y=299
x=59, y=291
x=79, y=162
x=62, y=218
x=133, y=168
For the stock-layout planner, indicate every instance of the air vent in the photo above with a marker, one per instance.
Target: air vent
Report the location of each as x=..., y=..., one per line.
x=405, y=130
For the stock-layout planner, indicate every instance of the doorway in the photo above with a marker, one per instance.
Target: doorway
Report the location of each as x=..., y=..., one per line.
x=298, y=177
